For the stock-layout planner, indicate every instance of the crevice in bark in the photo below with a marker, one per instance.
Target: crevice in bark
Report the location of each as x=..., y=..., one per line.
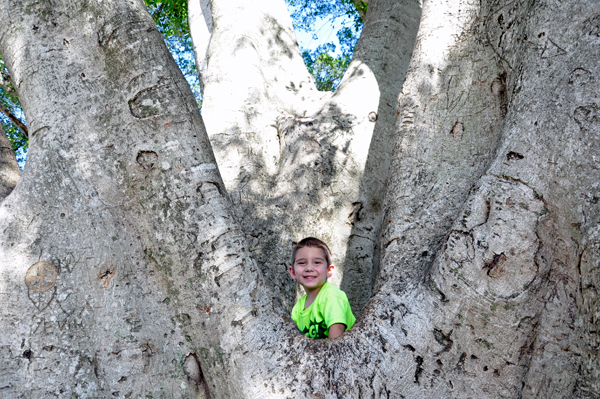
x=193, y=370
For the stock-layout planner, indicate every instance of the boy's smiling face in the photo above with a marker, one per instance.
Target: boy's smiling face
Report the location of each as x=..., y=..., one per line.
x=310, y=268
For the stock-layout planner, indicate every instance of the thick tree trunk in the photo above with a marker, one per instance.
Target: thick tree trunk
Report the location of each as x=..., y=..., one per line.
x=125, y=272
x=9, y=168
x=109, y=211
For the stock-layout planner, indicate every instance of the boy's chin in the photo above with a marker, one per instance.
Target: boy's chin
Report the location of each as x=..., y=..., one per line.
x=311, y=285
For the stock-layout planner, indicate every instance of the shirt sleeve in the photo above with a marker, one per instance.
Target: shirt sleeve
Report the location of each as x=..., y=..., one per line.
x=337, y=310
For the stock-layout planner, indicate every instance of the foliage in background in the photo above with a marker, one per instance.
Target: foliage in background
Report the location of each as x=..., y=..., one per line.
x=171, y=18
x=8, y=97
x=325, y=68
x=323, y=63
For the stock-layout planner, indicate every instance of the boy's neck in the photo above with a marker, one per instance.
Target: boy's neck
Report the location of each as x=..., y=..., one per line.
x=311, y=295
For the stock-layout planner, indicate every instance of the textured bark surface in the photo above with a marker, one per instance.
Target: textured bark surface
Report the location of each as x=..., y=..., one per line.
x=117, y=151
x=127, y=269
x=9, y=168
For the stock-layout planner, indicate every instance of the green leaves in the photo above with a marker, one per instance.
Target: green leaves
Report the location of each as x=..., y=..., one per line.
x=10, y=101
x=327, y=66
x=326, y=69
x=170, y=16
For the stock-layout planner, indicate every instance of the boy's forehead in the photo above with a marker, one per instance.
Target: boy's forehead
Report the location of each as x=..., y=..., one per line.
x=314, y=252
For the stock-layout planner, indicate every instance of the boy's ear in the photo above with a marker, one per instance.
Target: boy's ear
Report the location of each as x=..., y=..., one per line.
x=330, y=270
x=292, y=272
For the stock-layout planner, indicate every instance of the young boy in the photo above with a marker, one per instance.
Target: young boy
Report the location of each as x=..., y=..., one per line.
x=324, y=312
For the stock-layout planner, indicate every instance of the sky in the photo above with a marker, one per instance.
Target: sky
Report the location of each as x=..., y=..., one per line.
x=325, y=32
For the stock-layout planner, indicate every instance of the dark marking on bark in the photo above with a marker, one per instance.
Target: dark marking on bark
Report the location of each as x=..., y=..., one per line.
x=354, y=216
x=514, y=156
x=198, y=263
x=495, y=268
x=182, y=319
x=498, y=88
x=592, y=26
x=146, y=159
x=151, y=101
x=409, y=347
x=105, y=275
x=431, y=283
x=457, y=130
x=209, y=190
x=128, y=24
x=419, y=369
x=383, y=342
x=552, y=49
x=580, y=77
x=193, y=371
x=443, y=339
x=39, y=130
x=483, y=343
x=586, y=116
x=147, y=349
x=28, y=354
x=94, y=364
x=460, y=366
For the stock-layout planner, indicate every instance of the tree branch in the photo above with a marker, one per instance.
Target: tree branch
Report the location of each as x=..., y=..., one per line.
x=14, y=120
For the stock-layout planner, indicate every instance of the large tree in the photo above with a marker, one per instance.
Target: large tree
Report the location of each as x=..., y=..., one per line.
x=454, y=171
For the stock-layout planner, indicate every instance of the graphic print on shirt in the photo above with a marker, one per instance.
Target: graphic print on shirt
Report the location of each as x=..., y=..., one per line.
x=315, y=329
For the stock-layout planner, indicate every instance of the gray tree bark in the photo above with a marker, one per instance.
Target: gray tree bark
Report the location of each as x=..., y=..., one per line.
x=126, y=265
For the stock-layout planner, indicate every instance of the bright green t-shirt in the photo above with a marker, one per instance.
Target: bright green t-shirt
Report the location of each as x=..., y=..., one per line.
x=330, y=307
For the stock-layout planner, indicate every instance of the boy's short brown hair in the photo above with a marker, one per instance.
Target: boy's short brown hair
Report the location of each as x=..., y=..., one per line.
x=314, y=243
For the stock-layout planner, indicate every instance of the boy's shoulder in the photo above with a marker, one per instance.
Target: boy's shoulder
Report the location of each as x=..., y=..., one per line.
x=330, y=290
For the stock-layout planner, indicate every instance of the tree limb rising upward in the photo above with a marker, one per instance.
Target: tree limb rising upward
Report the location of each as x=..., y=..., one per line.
x=454, y=172
x=14, y=120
